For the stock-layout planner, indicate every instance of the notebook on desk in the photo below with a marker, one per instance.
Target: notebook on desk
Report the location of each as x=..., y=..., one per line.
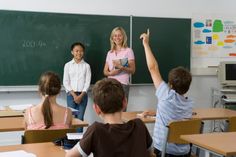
x=17, y=153
x=21, y=107
x=2, y=108
x=74, y=136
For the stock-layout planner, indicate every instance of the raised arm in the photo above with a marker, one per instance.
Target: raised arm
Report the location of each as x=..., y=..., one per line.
x=151, y=61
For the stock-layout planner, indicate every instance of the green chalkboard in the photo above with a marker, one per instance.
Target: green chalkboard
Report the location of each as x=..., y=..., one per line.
x=32, y=43
x=170, y=41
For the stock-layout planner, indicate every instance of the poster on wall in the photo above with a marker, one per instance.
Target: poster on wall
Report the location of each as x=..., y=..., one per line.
x=213, y=40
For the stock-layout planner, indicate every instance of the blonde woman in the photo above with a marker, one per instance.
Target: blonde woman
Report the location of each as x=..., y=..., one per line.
x=120, y=60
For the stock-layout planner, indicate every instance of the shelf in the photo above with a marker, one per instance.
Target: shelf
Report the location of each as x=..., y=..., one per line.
x=229, y=100
x=228, y=91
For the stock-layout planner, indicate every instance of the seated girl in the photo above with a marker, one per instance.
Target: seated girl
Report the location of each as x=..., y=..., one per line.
x=48, y=114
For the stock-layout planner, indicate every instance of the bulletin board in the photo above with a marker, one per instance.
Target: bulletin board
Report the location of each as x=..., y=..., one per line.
x=213, y=41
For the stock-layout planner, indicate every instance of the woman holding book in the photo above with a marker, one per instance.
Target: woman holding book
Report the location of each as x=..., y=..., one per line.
x=120, y=61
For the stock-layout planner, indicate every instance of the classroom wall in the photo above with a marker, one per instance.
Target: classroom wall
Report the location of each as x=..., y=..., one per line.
x=156, y=8
x=141, y=96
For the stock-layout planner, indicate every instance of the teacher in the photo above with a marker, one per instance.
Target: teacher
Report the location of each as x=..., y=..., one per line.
x=120, y=60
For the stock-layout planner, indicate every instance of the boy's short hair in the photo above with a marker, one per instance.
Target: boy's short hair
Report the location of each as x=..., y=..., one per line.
x=180, y=79
x=109, y=95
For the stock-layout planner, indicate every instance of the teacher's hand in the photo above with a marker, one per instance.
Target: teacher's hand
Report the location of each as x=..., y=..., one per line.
x=114, y=72
x=117, y=64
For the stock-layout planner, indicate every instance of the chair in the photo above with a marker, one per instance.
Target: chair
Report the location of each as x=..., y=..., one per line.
x=231, y=124
x=182, y=127
x=46, y=135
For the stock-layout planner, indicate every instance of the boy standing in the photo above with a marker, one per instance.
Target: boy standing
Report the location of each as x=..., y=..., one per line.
x=172, y=104
x=113, y=137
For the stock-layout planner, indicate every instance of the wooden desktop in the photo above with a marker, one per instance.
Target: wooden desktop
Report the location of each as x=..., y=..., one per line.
x=39, y=149
x=10, y=111
x=17, y=124
x=221, y=143
x=198, y=113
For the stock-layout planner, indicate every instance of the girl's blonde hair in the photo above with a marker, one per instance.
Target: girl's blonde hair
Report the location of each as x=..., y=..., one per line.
x=49, y=85
x=124, y=43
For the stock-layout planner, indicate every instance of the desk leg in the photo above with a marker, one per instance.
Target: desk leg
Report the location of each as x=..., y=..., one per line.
x=210, y=154
x=207, y=153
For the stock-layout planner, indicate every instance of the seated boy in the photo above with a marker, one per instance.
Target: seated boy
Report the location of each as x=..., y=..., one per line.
x=172, y=104
x=113, y=137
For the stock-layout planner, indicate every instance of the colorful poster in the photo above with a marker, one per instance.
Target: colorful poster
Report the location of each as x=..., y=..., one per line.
x=213, y=40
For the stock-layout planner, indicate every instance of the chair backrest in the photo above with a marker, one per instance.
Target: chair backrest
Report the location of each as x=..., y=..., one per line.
x=183, y=127
x=232, y=124
x=46, y=135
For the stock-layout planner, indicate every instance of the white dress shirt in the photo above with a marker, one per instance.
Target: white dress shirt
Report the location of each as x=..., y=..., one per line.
x=77, y=76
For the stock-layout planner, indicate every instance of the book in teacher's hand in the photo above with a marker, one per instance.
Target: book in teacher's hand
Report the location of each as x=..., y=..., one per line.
x=123, y=62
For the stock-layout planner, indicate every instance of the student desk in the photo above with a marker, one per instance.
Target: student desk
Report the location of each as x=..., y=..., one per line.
x=39, y=149
x=126, y=116
x=199, y=113
x=222, y=143
x=213, y=113
x=7, y=111
x=11, y=113
x=17, y=124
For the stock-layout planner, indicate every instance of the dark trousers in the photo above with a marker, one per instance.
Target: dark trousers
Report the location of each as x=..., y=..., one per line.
x=158, y=154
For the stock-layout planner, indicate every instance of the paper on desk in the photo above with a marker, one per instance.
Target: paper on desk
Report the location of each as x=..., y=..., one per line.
x=20, y=107
x=74, y=136
x=17, y=153
x=141, y=115
x=2, y=108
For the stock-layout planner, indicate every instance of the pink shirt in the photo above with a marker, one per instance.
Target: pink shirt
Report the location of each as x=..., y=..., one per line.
x=37, y=126
x=122, y=77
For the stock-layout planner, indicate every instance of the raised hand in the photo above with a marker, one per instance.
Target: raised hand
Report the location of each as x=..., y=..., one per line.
x=145, y=37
